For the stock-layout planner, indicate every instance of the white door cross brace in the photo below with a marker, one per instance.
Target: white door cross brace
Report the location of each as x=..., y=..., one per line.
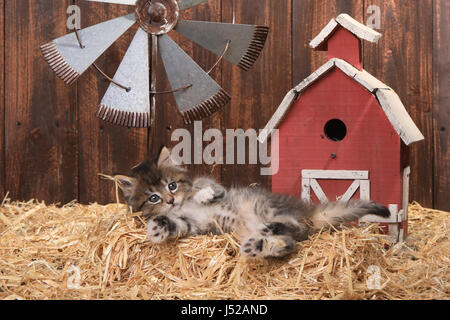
x=361, y=181
x=310, y=177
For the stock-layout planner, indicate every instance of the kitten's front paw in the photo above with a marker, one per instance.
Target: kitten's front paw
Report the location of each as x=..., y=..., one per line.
x=252, y=247
x=204, y=196
x=158, y=229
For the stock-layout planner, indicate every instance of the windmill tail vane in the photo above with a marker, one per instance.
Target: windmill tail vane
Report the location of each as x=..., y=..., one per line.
x=127, y=101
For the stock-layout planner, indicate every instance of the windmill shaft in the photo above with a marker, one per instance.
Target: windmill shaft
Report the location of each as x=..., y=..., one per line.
x=153, y=79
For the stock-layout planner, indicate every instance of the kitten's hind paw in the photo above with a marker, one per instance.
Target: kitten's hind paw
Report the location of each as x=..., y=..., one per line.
x=158, y=229
x=272, y=246
x=252, y=247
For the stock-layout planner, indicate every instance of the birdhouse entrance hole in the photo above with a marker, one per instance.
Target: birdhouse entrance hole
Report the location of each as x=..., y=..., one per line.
x=335, y=130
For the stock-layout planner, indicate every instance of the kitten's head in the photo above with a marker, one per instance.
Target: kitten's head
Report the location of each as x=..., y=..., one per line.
x=155, y=186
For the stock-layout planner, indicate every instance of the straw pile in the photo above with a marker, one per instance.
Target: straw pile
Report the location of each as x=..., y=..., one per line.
x=100, y=252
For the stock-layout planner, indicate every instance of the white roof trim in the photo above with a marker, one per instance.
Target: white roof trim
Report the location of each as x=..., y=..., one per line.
x=324, y=34
x=361, y=76
x=278, y=116
x=398, y=116
x=315, y=75
x=390, y=102
x=347, y=22
x=357, y=28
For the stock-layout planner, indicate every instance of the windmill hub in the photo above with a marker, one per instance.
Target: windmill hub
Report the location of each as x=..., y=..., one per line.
x=157, y=12
x=157, y=17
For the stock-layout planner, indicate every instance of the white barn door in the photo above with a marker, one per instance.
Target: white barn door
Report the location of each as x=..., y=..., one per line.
x=360, y=181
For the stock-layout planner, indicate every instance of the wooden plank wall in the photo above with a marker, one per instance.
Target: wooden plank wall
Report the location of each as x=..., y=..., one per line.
x=40, y=111
x=53, y=146
x=257, y=93
x=441, y=105
x=168, y=118
x=104, y=148
x=2, y=97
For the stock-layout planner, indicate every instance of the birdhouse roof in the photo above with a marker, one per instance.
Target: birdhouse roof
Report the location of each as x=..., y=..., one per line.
x=347, y=22
x=390, y=102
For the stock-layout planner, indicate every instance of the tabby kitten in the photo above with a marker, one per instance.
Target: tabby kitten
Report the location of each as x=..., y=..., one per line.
x=178, y=205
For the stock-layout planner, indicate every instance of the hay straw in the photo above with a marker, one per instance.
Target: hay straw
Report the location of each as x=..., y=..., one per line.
x=100, y=252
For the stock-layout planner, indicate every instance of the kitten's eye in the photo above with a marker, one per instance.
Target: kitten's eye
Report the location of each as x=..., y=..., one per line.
x=173, y=187
x=155, y=199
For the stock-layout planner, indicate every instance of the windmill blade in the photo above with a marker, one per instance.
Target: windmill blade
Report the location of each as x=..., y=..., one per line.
x=69, y=61
x=247, y=41
x=130, y=108
x=126, y=2
x=204, y=96
x=186, y=4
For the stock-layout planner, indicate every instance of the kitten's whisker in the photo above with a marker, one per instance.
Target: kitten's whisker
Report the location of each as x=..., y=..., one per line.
x=116, y=184
x=106, y=177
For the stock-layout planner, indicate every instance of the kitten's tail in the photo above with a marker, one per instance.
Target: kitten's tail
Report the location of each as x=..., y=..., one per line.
x=335, y=213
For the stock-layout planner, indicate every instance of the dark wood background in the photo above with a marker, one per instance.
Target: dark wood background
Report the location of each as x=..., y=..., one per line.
x=53, y=147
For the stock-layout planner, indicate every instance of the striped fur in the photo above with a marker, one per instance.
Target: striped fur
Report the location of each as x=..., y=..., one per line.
x=269, y=224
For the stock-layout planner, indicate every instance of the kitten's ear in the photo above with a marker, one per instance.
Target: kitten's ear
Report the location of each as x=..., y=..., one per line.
x=164, y=159
x=126, y=184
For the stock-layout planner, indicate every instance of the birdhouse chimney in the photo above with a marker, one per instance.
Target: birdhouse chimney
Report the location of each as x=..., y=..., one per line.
x=342, y=39
x=346, y=46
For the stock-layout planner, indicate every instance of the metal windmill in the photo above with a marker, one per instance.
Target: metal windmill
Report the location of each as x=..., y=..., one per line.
x=130, y=98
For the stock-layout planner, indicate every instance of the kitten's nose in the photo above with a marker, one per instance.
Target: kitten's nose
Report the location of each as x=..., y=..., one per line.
x=170, y=200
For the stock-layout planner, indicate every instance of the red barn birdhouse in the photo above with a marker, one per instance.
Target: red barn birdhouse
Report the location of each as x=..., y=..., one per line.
x=343, y=134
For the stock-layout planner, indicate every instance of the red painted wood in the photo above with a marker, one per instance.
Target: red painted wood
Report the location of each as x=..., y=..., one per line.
x=371, y=143
x=346, y=46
